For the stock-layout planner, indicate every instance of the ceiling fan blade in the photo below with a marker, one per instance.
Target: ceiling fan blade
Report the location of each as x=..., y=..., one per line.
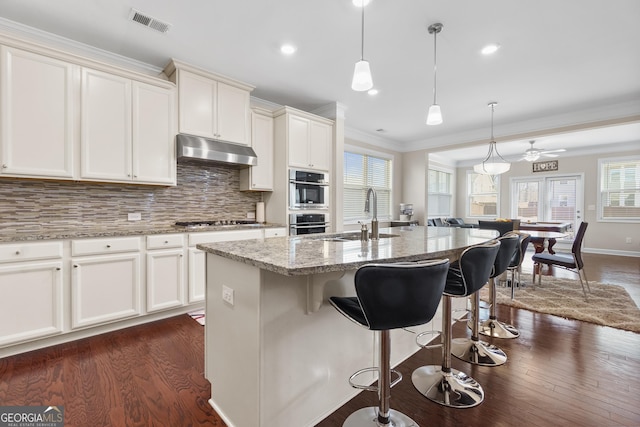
x=548, y=155
x=559, y=150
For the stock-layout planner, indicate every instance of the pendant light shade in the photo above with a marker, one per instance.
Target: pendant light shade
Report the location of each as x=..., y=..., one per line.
x=435, y=114
x=362, y=76
x=362, y=79
x=494, y=163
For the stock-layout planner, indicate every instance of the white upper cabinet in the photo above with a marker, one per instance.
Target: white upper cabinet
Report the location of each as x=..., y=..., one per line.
x=37, y=117
x=211, y=105
x=153, y=134
x=308, y=138
x=260, y=177
x=66, y=117
x=105, y=126
x=126, y=130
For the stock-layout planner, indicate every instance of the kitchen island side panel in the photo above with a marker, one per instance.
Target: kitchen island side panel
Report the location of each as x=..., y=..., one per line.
x=271, y=363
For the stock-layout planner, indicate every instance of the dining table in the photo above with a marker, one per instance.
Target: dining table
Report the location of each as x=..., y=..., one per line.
x=544, y=234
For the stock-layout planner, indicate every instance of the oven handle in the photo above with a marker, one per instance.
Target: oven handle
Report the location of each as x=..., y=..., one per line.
x=319, y=184
x=310, y=225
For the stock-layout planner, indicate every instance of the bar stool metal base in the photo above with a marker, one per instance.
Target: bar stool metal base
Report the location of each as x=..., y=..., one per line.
x=477, y=352
x=497, y=329
x=453, y=389
x=368, y=417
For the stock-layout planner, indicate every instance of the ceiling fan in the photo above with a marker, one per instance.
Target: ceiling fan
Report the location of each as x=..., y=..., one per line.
x=533, y=154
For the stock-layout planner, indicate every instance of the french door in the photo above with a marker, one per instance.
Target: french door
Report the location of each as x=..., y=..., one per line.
x=551, y=198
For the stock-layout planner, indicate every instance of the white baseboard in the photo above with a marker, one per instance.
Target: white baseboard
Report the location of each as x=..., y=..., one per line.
x=635, y=254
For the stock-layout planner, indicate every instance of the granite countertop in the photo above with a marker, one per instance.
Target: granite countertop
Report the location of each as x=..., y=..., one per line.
x=322, y=253
x=117, y=230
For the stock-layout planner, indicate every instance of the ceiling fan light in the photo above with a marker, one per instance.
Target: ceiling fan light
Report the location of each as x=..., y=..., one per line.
x=362, y=80
x=435, y=115
x=531, y=157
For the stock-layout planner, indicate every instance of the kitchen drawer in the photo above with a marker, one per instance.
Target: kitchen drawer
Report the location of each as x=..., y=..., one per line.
x=105, y=246
x=30, y=251
x=162, y=241
x=224, y=236
x=275, y=232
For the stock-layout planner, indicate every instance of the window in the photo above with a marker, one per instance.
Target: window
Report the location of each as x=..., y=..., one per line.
x=439, y=193
x=482, y=195
x=619, y=195
x=362, y=171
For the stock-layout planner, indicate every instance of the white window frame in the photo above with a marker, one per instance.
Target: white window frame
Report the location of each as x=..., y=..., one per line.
x=496, y=179
x=451, y=192
x=382, y=216
x=600, y=207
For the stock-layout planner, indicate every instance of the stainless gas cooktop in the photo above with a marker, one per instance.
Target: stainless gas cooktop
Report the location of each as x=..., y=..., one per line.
x=213, y=223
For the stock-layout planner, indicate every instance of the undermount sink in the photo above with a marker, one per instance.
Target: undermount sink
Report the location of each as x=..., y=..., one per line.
x=348, y=237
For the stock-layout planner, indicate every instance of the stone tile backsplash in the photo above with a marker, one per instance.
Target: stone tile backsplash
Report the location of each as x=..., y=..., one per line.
x=203, y=192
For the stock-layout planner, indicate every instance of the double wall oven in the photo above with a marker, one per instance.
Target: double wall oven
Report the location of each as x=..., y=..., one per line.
x=308, y=191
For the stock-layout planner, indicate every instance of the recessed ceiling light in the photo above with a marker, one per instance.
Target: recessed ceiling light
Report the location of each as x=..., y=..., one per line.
x=288, y=49
x=490, y=48
x=373, y=92
x=361, y=3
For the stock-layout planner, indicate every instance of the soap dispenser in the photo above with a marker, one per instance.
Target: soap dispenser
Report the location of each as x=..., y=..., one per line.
x=364, y=233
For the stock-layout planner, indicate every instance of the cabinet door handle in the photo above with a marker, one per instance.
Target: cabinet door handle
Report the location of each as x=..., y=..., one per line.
x=75, y=265
x=4, y=166
x=166, y=242
x=17, y=252
x=108, y=246
x=58, y=268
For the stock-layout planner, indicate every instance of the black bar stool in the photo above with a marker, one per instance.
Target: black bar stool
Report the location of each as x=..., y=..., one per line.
x=443, y=384
x=390, y=296
x=492, y=326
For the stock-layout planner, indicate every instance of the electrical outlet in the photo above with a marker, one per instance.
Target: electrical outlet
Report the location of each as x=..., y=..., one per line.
x=227, y=295
x=134, y=216
x=629, y=240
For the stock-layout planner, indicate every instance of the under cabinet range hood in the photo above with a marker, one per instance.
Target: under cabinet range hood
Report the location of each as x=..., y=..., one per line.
x=191, y=147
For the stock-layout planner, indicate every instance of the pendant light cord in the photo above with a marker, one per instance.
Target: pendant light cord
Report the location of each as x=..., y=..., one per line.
x=362, y=36
x=435, y=66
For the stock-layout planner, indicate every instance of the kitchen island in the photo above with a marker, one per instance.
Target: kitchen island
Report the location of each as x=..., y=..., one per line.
x=276, y=353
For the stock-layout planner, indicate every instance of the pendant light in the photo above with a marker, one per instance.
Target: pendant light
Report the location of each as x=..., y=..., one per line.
x=362, y=79
x=494, y=163
x=435, y=115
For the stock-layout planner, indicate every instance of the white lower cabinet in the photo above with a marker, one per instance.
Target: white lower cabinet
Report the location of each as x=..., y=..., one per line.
x=31, y=302
x=106, y=286
x=51, y=289
x=165, y=272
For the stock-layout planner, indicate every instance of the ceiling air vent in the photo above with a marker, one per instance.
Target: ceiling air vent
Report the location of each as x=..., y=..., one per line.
x=148, y=21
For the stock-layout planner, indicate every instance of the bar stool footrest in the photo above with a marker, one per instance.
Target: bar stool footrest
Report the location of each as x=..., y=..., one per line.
x=428, y=333
x=372, y=387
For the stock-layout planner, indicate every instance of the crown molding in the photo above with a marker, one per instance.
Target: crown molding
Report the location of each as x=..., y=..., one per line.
x=33, y=35
x=376, y=140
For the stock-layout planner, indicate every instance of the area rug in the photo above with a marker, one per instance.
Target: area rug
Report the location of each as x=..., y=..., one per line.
x=198, y=316
x=608, y=305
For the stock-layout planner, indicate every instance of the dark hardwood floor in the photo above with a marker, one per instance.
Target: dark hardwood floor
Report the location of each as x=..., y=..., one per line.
x=559, y=373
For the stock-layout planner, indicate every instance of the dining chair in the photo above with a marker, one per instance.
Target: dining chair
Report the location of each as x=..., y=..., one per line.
x=569, y=261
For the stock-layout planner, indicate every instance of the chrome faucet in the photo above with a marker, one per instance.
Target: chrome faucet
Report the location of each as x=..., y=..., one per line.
x=374, y=220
